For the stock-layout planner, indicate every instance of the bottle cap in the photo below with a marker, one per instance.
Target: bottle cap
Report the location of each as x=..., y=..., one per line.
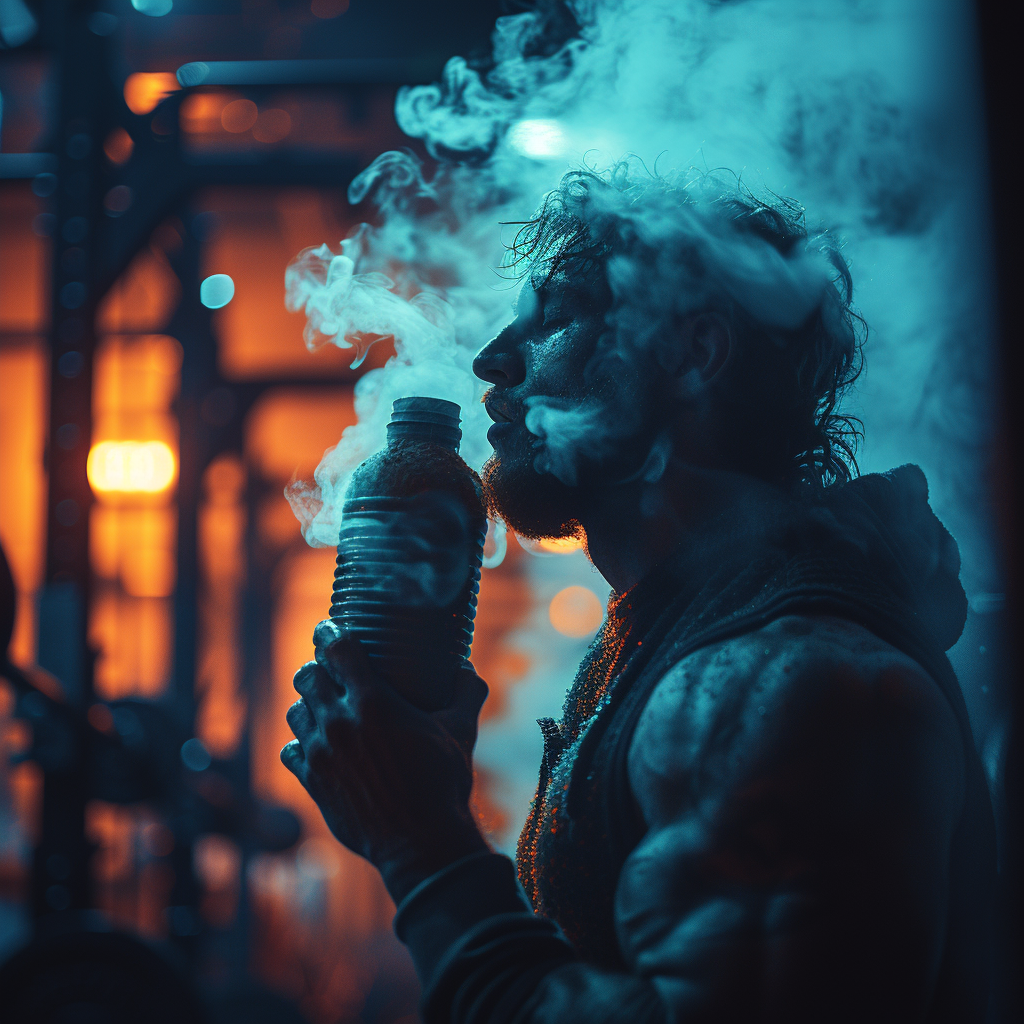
x=426, y=419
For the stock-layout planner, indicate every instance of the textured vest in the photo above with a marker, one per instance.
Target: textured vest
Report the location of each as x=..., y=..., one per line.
x=583, y=823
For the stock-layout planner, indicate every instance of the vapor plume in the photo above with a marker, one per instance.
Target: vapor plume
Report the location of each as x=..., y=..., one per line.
x=863, y=110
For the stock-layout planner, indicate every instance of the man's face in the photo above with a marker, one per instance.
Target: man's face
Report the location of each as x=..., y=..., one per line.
x=545, y=352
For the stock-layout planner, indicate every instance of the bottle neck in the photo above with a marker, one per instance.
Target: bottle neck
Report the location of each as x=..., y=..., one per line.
x=430, y=420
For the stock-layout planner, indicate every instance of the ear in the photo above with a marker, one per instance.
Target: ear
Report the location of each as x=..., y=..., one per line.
x=705, y=342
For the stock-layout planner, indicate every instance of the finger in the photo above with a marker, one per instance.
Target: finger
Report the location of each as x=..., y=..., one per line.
x=302, y=670
x=317, y=688
x=301, y=721
x=326, y=632
x=294, y=760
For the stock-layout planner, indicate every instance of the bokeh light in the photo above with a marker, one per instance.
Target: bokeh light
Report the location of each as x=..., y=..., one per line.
x=195, y=756
x=154, y=8
x=272, y=125
x=117, y=200
x=118, y=146
x=576, y=612
x=201, y=111
x=216, y=291
x=239, y=116
x=145, y=89
x=143, y=467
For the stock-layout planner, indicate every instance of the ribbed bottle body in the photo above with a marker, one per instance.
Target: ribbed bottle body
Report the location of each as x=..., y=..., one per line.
x=410, y=550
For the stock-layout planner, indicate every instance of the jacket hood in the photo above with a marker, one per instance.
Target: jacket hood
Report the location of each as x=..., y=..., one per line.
x=888, y=521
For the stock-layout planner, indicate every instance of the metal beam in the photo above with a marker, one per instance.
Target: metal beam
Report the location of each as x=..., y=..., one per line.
x=347, y=71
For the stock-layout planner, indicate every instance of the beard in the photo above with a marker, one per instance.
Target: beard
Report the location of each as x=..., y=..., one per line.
x=534, y=505
x=537, y=503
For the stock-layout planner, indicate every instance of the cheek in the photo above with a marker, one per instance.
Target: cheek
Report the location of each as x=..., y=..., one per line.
x=559, y=362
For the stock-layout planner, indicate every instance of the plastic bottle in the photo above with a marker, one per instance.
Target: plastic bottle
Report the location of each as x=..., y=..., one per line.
x=410, y=549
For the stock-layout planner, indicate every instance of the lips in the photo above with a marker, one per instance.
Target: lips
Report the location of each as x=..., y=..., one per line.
x=504, y=413
x=500, y=410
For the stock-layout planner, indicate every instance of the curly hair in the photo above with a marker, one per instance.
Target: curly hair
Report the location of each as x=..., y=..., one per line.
x=702, y=242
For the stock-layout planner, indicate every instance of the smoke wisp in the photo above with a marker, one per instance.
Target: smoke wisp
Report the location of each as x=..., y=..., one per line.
x=863, y=110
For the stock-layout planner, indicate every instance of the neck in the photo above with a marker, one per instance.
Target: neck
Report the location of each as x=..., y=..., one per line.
x=693, y=514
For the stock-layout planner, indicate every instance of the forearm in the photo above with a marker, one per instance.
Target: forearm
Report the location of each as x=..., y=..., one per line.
x=484, y=957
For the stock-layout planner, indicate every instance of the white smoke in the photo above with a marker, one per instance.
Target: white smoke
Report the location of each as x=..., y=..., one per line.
x=863, y=110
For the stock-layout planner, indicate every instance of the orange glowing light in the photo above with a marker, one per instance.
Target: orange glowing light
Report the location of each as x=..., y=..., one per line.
x=239, y=116
x=118, y=146
x=145, y=89
x=550, y=545
x=576, y=612
x=200, y=112
x=272, y=125
x=560, y=545
x=145, y=467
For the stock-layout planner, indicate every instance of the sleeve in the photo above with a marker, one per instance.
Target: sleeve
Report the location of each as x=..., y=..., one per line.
x=484, y=957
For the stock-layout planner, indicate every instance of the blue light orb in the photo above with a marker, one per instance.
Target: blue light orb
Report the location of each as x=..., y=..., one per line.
x=154, y=8
x=216, y=291
x=195, y=756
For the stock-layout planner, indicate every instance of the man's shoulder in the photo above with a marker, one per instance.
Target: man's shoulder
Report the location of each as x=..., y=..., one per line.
x=785, y=665
x=797, y=684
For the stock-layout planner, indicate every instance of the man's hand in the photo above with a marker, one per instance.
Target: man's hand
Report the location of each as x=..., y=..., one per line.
x=391, y=781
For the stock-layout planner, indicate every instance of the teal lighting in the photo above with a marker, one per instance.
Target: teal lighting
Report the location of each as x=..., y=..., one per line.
x=154, y=8
x=216, y=291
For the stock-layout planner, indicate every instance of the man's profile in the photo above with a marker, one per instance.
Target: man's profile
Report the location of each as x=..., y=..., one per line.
x=762, y=801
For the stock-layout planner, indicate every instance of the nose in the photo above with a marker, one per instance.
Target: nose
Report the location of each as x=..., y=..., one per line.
x=500, y=362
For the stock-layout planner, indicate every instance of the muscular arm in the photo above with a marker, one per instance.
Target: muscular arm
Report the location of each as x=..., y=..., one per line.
x=800, y=787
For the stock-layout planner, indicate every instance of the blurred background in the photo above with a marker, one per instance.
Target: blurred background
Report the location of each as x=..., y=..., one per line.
x=160, y=165
x=155, y=399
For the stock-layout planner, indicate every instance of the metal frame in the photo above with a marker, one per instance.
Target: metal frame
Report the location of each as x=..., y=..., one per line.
x=91, y=249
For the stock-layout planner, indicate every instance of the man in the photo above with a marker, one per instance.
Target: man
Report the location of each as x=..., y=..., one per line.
x=763, y=800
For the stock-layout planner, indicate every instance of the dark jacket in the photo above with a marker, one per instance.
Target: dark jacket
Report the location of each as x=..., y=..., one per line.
x=871, y=552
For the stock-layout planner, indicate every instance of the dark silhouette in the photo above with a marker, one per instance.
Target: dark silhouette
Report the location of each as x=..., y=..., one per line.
x=763, y=800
